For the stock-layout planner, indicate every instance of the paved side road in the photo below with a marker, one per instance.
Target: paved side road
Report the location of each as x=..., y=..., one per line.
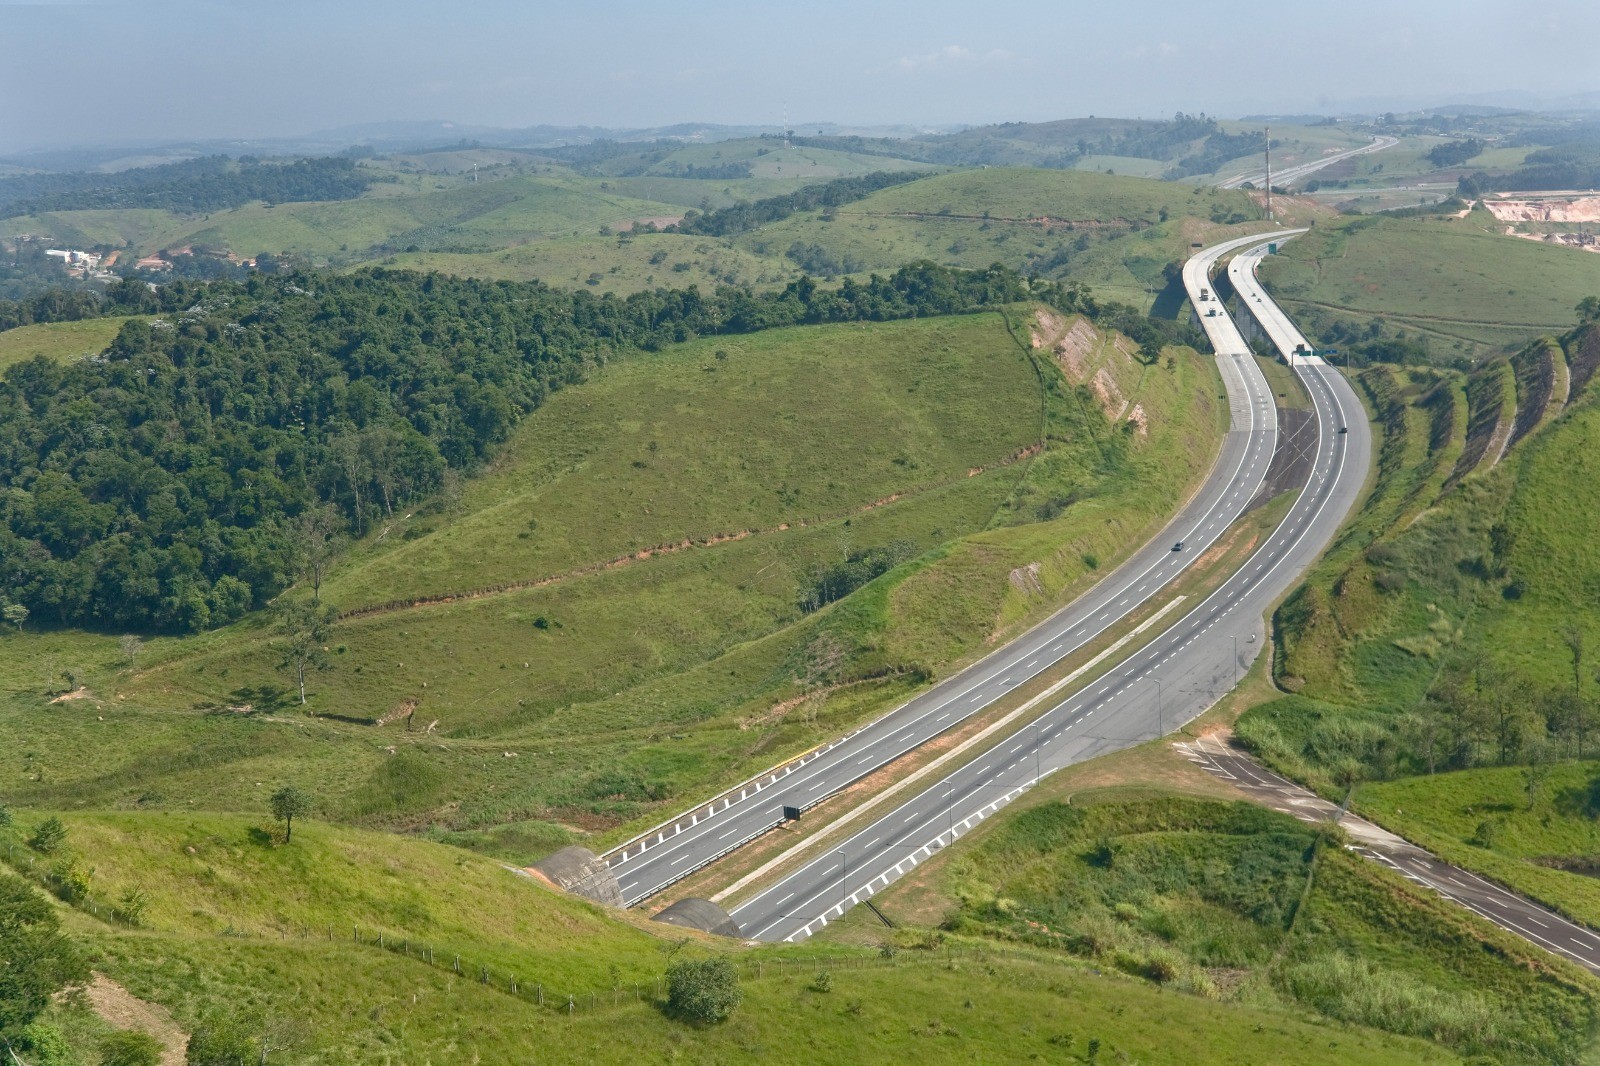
x=1511, y=912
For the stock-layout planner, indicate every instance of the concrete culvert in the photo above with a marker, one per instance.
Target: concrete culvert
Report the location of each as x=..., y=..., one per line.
x=581, y=872
x=699, y=914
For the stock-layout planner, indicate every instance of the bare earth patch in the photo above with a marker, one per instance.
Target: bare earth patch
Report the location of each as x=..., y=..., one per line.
x=124, y=1010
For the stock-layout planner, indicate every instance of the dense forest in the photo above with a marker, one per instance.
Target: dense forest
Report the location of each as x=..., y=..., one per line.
x=211, y=183
x=1454, y=153
x=167, y=484
x=1573, y=165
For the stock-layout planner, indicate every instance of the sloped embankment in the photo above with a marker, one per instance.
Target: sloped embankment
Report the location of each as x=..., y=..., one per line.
x=1540, y=371
x=1491, y=411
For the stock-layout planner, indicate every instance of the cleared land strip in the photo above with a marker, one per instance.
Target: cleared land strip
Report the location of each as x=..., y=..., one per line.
x=1515, y=914
x=1551, y=327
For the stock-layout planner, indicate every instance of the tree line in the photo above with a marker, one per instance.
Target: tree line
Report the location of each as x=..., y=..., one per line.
x=745, y=216
x=179, y=479
x=210, y=183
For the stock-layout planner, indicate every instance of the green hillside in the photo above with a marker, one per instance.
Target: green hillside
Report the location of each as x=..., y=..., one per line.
x=1452, y=631
x=232, y=938
x=1243, y=905
x=619, y=612
x=1457, y=287
x=490, y=215
x=765, y=157
x=1059, y=223
x=622, y=264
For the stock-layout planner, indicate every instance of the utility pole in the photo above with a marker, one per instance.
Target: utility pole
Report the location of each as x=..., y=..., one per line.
x=1268, y=131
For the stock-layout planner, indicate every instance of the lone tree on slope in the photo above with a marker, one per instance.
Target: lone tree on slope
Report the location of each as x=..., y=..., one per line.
x=289, y=803
x=305, y=628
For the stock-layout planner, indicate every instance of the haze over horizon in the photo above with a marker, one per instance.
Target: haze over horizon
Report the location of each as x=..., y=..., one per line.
x=91, y=71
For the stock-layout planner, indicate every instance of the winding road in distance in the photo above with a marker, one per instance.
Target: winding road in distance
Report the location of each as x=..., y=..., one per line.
x=655, y=860
x=1162, y=685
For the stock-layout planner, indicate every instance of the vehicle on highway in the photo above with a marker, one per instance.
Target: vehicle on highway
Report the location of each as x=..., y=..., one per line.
x=1178, y=547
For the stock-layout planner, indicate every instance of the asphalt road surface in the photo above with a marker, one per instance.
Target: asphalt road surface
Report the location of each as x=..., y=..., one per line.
x=1516, y=915
x=1166, y=683
x=650, y=863
x=1289, y=175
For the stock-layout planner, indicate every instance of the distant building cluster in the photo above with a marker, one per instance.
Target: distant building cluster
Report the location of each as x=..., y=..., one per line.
x=82, y=264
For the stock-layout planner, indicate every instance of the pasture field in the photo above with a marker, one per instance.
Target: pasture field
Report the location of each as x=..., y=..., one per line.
x=58, y=340
x=619, y=264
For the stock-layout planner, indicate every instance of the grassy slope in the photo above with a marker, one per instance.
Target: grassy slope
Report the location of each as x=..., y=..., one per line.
x=58, y=340
x=489, y=215
x=1219, y=900
x=976, y=217
x=614, y=264
x=1377, y=626
x=767, y=159
x=206, y=873
x=663, y=677
x=1459, y=282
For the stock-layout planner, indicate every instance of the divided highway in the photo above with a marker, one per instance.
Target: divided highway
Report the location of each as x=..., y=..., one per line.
x=651, y=862
x=1289, y=175
x=1169, y=681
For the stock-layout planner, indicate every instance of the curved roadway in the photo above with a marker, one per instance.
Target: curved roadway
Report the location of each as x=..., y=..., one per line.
x=1289, y=175
x=1171, y=680
x=647, y=864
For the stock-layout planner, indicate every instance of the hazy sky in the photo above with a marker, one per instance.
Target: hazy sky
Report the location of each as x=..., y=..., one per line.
x=94, y=71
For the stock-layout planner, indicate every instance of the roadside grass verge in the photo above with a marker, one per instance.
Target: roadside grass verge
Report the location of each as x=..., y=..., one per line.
x=1240, y=904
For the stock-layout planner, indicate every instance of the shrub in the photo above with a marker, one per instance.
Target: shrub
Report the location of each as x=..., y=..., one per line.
x=45, y=1046
x=221, y=1041
x=703, y=992
x=130, y=1048
x=49, y=835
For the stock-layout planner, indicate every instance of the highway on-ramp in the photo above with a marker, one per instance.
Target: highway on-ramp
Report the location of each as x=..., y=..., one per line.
x=1169, y=681
x=667, y=853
